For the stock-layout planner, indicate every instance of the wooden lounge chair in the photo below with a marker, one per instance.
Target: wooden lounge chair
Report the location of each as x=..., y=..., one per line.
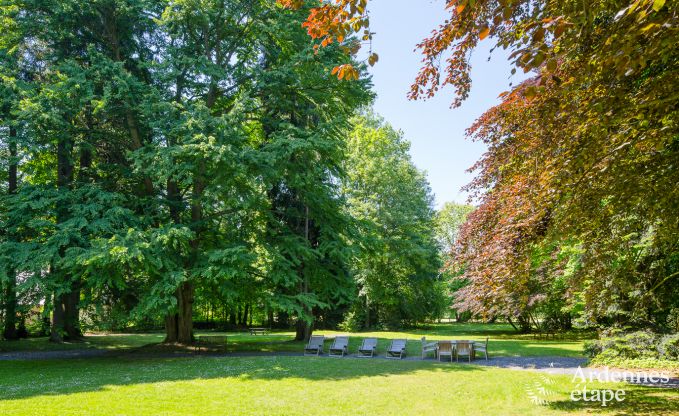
x=315, y=345
x=481, y=347
x=445, y=349
x=428, y=347
x=464, y=348
x=339, y=347
x=397, y=349
x=368, y=347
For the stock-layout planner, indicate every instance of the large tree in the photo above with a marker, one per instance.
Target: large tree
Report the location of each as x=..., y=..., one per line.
x=396, y=269
x=167, y=149
x=9, y=160
x=75, y=117
x=304, y=119
x=579, y=179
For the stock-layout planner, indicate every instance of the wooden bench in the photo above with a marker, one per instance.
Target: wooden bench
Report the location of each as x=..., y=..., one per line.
x=258, y=331
x=205, y=340
x=428, y=347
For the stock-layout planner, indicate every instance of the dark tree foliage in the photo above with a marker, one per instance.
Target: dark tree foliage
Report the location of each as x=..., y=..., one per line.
x=162, y=162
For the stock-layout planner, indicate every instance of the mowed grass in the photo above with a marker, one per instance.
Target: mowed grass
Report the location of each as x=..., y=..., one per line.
x=91, y=341
x=504, y=341
x=296, y=386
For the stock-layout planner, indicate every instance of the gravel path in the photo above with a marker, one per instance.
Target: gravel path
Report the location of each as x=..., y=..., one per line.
x=51, y=355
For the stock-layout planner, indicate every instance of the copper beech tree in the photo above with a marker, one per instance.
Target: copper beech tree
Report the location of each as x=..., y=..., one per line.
x=577, y=191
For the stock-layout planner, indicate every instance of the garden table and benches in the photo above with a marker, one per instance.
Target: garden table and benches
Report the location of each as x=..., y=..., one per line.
x=450, y=347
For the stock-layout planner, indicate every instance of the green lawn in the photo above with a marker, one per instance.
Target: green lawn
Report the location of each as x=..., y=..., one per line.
x=96, y=341
x=136, y=384
x=504, y=341
x=295, y=385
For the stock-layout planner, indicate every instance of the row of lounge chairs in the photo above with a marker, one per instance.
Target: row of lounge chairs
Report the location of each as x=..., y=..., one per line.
x=368, y=348
x=397, y=348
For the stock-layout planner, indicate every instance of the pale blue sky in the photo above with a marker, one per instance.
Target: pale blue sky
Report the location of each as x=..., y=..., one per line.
x=435, y=130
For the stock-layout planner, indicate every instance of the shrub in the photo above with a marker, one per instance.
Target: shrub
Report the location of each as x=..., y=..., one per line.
x=463, y=316
x=640, y=344
x=633, y=345
x=669, y=347
x=672, y=320
x=353, y=322
x=592, y=348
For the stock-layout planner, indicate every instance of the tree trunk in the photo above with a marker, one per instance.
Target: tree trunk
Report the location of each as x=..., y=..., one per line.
x=10, y=331
x=171, y=330
x=185, y=313
x=111, y=32
x=367, y=313
x=185, y=291
x=71, y=303
x=246, y=310
x=64, y=182
x=179, y=326
x=10, y=296
x=174, y=202
x=232, y=317
x=57, y=329
x=300, y=329
x=304, y=328
x=71, y=300
x=524, y=324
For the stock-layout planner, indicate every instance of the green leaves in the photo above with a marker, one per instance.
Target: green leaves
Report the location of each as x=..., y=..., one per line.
x=399, y=257
x=449, y=221
x=658, y=4
x=580, y=160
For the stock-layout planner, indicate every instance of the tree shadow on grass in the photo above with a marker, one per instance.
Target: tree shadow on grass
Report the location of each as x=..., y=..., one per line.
x=285, y=344
x=118, y=341
x=25, y=379
x=654, y=401
x=535, y=348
